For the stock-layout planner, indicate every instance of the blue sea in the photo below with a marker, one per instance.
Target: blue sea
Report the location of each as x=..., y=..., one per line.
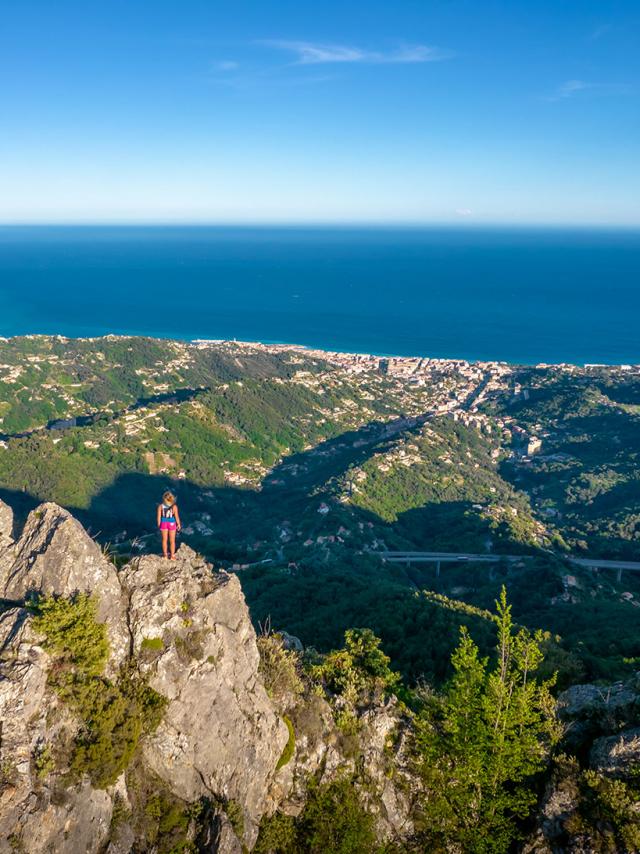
x=520, y=295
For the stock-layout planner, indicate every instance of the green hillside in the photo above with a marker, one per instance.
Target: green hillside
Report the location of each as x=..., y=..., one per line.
x=297, y=468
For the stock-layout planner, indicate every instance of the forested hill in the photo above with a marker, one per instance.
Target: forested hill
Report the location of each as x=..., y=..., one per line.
x=297, y=470
x=298, y=467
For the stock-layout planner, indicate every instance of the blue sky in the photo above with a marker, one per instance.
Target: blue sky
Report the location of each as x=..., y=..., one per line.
x=412, y=111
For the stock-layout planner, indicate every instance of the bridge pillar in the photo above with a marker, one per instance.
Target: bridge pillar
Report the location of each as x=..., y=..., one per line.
x=619, y=575
x=438, y=569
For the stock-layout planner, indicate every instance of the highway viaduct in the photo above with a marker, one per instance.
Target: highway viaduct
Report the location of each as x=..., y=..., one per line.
x=464, y=557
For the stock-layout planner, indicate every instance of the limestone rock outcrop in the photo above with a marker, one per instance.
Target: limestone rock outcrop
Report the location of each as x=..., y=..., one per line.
x=55, y=555
x=6, y=525
x=193, y=639
x=616, y=755
x=325, y=753
x=187, y=630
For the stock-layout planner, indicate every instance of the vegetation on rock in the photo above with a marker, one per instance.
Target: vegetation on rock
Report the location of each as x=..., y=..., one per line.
x=333, y=820
x=114, y=715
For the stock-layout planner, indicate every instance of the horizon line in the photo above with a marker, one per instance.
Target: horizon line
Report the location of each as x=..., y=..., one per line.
x=336, y=224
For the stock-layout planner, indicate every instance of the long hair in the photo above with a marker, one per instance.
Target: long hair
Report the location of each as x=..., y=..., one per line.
x=168, y=498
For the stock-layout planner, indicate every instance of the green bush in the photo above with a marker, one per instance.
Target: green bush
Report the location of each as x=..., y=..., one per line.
x=73, y=633
x=114, y=715
x=277, y=835
x=359, y=667
x=608, y=813
x=160, y=821
x=332, y=822
x=278, y=667
x=43, y=761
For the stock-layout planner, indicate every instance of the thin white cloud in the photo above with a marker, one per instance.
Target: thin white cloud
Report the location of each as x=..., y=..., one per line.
x=599, y=32
x=464, y=212
x=315, y=53
x=226, y=65
x=568, y=89
x=571, y=87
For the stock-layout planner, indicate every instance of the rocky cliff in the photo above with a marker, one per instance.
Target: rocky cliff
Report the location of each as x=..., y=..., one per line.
x=133, y=708
x=187, y=633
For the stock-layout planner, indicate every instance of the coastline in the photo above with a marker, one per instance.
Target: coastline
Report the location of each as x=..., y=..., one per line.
x=330, y=352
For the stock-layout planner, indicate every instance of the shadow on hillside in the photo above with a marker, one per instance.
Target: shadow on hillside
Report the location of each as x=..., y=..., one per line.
x=456, y=526
x=287, y=491
x=449, y=526
x=22, y=503
x=228, y=519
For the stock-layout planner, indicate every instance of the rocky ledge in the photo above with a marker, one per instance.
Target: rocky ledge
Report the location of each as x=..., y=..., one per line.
x=188, y=631
x=133, y=704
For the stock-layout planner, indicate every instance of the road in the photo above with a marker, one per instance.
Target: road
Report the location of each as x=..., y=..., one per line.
x=464, y=557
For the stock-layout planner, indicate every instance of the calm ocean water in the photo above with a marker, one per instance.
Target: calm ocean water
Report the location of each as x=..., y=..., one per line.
x=519, y=295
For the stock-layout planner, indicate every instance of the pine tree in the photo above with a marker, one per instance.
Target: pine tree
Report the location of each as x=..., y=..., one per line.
x=483, y=742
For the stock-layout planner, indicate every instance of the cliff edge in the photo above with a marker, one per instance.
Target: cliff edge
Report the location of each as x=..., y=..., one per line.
x=174, y=720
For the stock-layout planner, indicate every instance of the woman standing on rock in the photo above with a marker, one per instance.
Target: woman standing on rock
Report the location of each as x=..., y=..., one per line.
x=168, y=523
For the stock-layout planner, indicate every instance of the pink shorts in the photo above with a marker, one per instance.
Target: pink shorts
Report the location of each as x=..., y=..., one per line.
x=167, y=526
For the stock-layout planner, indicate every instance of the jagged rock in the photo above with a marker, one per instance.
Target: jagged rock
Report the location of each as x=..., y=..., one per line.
x=22, y=690
x=188, y=632
x=616, y=755
x=225, y=840
x=6, y=525
x=589, y=711
x=79, y=823
x=324, y=752
x=30, y=815
x=56, y=555
x=559, y=805
x=220, y=734
x=220, y=737
x=6, y=538
x=316, y=753
x=562, y=822
x=382, y=725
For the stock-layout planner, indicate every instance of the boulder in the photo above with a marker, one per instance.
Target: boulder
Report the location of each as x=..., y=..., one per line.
x=291, y=642
x=582, y=701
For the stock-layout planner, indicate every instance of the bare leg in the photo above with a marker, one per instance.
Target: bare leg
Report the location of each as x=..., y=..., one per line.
x=164, y=543
x=172, y=543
